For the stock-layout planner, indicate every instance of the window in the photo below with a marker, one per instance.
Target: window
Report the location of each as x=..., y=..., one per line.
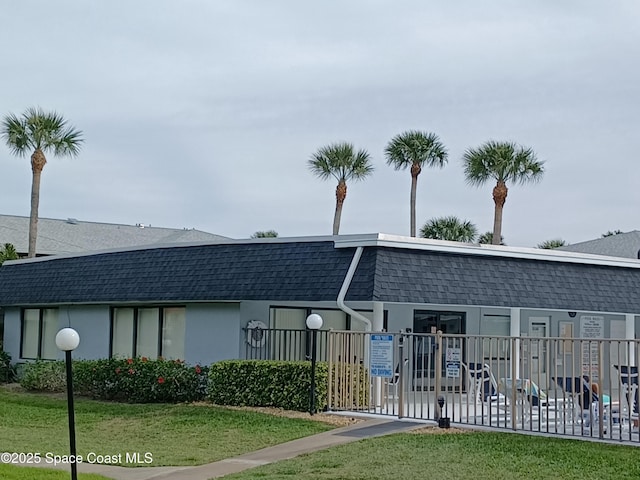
x=173, y=329
x=496, y=326
x=39, y=328
x=148, y=332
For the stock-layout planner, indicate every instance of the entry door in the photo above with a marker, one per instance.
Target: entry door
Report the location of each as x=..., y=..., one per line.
x=430, y=322
x=538, y=333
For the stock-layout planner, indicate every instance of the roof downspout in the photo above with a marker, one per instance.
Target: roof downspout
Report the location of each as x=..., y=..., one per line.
x=345, y=286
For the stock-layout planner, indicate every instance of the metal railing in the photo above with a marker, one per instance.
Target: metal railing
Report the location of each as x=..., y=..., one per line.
x=564, y=386
x=283, y=344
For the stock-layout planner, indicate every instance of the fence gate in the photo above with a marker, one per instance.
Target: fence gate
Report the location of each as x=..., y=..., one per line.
x=392, y=373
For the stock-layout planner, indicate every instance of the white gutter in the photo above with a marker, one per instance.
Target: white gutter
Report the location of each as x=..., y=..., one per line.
x=345, y=286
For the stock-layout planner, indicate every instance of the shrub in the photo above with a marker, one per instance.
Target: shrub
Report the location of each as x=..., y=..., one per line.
x=7, y=372
x=140, y=380
x=44, y=376
x=265, y=383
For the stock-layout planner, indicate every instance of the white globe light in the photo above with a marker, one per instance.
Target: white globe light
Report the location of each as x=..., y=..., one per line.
x=67, y=339
x=314, y=321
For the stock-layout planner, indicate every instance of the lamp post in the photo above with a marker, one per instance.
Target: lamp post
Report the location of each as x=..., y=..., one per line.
x=68, y=340
x=314, y=323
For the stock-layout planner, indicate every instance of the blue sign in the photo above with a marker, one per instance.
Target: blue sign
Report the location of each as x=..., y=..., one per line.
x=381, y=356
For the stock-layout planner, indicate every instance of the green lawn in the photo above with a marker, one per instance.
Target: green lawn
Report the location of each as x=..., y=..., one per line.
x=477, y=455
x=197, y=434
x=173, y=434
x=9, y=472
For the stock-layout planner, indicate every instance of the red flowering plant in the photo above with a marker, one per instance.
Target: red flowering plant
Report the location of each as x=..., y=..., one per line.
x=144, y=380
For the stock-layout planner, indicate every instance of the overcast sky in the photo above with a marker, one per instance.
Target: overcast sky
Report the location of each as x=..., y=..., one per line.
x=203, y=114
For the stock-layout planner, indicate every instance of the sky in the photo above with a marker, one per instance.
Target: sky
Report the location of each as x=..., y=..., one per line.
x=203, y=114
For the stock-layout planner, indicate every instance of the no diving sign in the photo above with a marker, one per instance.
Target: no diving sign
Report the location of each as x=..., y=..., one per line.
x=381, y=352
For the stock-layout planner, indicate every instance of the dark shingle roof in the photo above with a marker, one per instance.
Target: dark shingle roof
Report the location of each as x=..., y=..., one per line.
x=433, y=277
x=314, y=270
x=218, y=272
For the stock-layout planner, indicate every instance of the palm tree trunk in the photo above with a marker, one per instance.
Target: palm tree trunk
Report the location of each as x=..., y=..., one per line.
x=499, y=197
x=341, y=194
x=415, y=171
x=38, y=162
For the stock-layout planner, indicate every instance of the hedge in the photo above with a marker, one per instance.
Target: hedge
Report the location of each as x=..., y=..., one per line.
x=133, y=380
x=140, y=380
x=7, y=372
x=267, y=383
x=44, y=376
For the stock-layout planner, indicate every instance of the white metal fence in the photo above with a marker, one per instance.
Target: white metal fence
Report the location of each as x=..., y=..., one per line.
x=564, y=386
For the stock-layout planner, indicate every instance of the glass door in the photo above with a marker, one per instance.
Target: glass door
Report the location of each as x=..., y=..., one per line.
x=430, y=321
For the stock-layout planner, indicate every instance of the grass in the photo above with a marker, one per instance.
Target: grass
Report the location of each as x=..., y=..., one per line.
x=477, y=455
x=197, y=434
x=173, y=434
x=9, y=472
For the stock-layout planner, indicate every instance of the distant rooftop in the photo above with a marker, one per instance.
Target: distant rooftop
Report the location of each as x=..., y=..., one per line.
x=626, y=245
x=78, y=236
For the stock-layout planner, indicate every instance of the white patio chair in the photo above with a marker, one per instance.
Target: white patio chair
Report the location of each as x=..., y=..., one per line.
x=629, y=402
x=482, y=385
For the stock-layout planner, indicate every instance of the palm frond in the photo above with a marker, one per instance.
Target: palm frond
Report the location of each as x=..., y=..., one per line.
x=501, y=161
x=15, y=135
x=339, y=161
x=36, y=128
x=415, y=148
x=551, y=244
x=449, y=228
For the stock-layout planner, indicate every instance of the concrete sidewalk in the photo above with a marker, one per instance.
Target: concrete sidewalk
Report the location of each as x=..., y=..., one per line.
x=370, y=427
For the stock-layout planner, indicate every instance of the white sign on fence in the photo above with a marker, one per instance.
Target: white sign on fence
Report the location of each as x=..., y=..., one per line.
x=381, y=354
x=453, y=357
x=591, y=326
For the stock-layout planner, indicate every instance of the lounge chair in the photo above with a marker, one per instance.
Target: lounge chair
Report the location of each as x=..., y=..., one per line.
x=484, y=388
x=581, y=398
x=628, y=376
x=482, y=384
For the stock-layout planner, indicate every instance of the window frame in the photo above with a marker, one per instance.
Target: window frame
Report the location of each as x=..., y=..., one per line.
x=136, y=326
x=41, y=311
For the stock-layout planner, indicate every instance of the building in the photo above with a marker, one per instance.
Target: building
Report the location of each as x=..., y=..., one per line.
x=625, y=245
x=76, y=236
x=194, y=301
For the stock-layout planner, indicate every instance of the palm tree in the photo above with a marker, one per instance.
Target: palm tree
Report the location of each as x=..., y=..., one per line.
x=265, y=234
x=449, y=228
x=415, y=149
x=8, y=252
x=551, y=244
x=487, y=238
x=503, y=162
x=340, y=161
x=39, y=132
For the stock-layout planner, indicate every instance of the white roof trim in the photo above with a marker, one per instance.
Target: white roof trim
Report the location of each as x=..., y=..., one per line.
x=391, y=241
x=412, y=243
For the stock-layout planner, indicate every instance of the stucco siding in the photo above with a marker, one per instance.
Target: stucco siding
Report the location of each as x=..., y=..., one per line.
x=94, y=329
x=212, y=333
